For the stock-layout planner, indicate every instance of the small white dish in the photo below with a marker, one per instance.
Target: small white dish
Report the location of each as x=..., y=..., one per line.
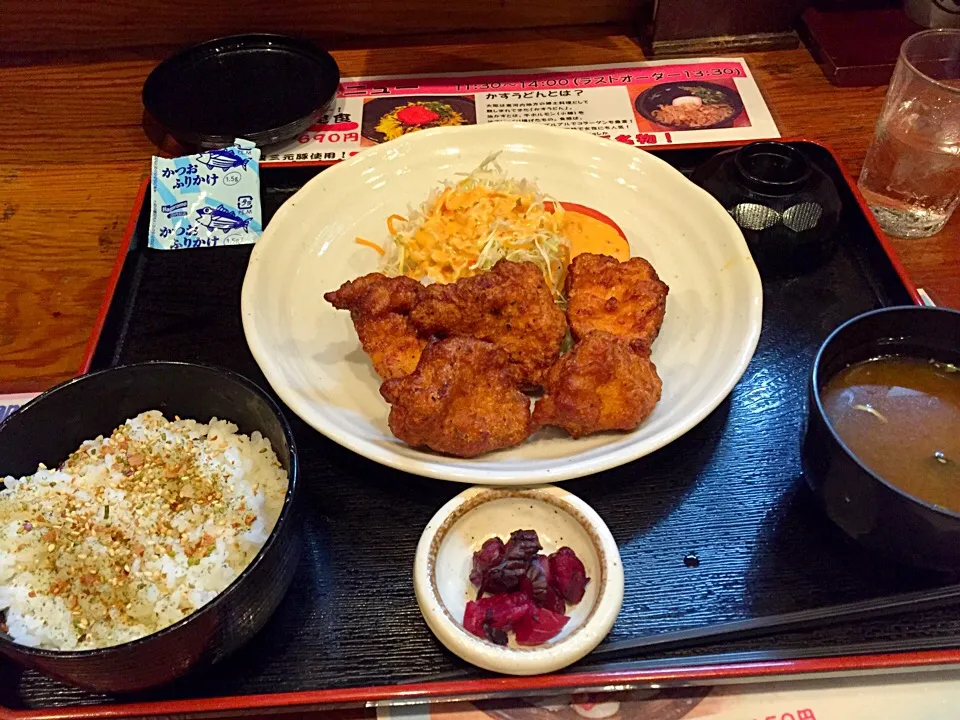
x=441, y=572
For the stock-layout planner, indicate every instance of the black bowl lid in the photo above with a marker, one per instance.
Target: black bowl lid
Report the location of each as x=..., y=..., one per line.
x=773, y=168
x=265, y=88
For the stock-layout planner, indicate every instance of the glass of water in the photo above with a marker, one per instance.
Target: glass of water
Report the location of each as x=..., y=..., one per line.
x=911, y=176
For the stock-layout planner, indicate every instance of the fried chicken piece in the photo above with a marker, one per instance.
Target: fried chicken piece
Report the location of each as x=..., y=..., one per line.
x=510, y=306
x=379, y=307
x=623, y=298
x=602, y=384
x=462, y=400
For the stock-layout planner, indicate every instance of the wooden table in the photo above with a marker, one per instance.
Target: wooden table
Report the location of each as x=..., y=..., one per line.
x=73, y=153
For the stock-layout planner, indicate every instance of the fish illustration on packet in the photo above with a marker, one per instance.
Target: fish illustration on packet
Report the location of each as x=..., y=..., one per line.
x=206, y=200
x=221, y=218
x=224, y=159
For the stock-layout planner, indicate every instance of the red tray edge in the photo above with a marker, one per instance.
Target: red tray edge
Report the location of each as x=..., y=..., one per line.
x=597, y=681
x=874, y=225
x=694, y=674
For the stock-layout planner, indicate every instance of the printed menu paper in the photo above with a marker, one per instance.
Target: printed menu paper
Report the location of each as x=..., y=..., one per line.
x=919, y=696
x=9, y=404
x=641, y=104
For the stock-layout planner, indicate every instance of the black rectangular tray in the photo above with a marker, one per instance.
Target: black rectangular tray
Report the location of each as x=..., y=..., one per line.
x=730, y=491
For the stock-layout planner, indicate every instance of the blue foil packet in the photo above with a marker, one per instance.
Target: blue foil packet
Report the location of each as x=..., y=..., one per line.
x=206, y=200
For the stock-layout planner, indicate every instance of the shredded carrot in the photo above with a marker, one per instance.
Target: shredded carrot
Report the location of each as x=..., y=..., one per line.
x=361, y=241
x=390, y=221
x=467, y=227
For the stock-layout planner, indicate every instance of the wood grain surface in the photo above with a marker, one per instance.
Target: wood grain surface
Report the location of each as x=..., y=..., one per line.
x=43, y=25
x=73, y=153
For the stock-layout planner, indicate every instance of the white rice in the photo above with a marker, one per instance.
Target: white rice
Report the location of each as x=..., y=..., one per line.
x=133, y=532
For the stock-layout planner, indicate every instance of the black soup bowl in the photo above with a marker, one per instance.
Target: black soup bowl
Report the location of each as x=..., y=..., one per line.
x=53, y=425
x=875, y=513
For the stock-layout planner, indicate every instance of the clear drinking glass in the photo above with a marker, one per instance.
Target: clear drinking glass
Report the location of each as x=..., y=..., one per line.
x=911, y=176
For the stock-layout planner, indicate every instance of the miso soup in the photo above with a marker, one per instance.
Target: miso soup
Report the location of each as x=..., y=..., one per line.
x=901, y=417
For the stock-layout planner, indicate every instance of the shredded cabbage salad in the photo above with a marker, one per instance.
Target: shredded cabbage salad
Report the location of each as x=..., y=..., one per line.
x=467, y=226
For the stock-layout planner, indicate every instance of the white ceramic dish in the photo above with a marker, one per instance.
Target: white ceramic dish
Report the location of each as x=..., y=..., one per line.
x=310, y=354
x=441, y=572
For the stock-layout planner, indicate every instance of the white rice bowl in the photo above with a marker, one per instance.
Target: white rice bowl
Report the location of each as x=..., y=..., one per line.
x=134, y=532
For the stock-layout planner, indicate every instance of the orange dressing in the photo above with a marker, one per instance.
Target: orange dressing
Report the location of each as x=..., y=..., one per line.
x=593, y=233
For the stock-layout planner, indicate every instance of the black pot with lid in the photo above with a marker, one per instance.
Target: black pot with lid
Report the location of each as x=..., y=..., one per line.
x=262, y=87
x=786, y=207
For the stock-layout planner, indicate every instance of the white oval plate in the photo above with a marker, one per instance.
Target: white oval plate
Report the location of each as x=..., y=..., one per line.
x=310, y=354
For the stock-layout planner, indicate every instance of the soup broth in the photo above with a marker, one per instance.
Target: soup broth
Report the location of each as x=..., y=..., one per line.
x=901, y=418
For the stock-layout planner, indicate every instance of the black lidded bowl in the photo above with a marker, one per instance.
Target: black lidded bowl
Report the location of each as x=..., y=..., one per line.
x=872, y=511
x=53, y=425
x=786, y=207
x=263, y=87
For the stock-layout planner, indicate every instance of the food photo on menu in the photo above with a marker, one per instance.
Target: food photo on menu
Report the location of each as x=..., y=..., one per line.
x=581, y=391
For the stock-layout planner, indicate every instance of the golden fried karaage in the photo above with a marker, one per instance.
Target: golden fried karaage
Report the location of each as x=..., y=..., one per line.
x=602, y=384
x=461, y=400
x=510, y=306
x=626, y=299
x=379, y=307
